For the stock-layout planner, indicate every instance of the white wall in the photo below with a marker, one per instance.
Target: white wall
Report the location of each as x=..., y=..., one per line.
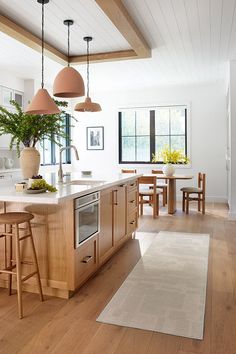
x=10, y=81
x=207, y=131
x=232, y=141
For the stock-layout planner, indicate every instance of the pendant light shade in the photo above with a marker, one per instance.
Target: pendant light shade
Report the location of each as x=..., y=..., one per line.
x=88, y=105
x=68, y=82
x=42, y=103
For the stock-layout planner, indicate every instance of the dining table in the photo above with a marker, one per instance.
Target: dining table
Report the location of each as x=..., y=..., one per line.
x=171, y=181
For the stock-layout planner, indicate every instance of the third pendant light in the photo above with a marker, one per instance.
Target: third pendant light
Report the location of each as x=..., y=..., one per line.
x=88, y=105
x=68, y=82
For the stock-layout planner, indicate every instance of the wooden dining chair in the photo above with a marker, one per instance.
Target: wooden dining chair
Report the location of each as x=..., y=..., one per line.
x=163, y=186
x=126, y=170
x=199, y=191
x=152, y=194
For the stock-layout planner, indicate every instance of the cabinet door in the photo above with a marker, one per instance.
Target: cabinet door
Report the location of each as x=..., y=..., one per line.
x=119, y=213
x=106, y=242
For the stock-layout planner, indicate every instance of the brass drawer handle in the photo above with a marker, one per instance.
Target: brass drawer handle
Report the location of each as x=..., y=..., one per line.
x=115, y=197
x=122, y=185
x=132, y=185
x=132, y=222
x=87, y=259
x=132, y=201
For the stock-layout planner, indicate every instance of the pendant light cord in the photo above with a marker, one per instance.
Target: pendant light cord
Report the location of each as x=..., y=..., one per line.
x=68, y=45
x=42, y=83
x=87, y=68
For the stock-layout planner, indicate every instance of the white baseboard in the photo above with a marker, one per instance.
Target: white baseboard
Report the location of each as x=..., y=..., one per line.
x=232, y=215
x=209, y=199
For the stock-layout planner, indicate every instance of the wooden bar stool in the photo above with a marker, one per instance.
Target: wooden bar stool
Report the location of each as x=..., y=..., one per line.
x=14, y=219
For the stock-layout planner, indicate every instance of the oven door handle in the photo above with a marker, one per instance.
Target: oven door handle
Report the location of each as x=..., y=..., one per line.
x=97, y=202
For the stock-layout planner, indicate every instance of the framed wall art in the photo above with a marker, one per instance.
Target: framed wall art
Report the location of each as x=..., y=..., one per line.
x=95, y=138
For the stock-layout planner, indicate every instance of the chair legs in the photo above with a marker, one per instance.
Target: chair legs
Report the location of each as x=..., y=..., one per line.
x=187, y=203
x=157, y=204
x=199, y=204
x=183, y=202
x=151, y=202
x=186, y=199
x=203, y=205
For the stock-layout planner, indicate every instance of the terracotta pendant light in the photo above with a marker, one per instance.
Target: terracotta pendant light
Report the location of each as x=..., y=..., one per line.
x=88, y=105
x=68, y=82
x=42, y=103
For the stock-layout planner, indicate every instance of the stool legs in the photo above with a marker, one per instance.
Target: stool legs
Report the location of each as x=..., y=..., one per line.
x=16, y=264
x=36, y=263
x=18, y=272
x=10, y=263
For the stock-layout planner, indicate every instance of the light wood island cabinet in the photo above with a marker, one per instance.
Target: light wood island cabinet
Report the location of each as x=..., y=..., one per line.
x=63, y=269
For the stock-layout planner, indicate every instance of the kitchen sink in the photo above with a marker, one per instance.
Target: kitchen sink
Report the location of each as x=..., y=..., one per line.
x=86, y=182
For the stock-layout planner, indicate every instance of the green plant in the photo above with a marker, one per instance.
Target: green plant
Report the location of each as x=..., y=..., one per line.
x=42, y=184
x=30, y=129
x=170, y=156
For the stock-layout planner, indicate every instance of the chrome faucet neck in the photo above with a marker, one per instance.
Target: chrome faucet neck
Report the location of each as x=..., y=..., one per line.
x=60, y=171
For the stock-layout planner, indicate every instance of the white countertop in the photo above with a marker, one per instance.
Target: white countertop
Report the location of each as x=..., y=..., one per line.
x=64, y=190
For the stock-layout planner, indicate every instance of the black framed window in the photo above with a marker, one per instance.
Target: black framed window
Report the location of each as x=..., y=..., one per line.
x=146, y=131
x=49, y=150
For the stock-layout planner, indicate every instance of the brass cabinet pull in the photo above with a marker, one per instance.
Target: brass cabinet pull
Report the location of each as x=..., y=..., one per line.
x=122, y=185
x=87, y=259
x=115, y=200
x=132, y=185
x=132, y=201
x=132, y=222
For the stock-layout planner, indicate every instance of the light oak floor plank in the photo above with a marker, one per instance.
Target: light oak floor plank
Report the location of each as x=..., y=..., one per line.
x=69, y=326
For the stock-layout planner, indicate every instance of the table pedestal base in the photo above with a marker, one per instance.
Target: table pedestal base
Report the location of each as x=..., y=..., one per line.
x=171, y=196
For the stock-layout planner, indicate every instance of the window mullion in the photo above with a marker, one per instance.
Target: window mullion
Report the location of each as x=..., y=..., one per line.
x=152, y=134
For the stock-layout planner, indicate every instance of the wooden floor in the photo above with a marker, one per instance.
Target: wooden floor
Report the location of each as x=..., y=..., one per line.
x=69, y=326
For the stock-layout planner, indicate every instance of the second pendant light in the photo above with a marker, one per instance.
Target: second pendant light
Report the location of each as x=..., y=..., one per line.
x=68, y=82
x=88, y=105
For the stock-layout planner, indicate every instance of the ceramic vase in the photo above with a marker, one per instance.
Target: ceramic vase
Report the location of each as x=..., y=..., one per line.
x=29, y=162
x=168, y=170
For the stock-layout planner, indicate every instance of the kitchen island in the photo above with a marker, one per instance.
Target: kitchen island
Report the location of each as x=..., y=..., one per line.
x=64, y=263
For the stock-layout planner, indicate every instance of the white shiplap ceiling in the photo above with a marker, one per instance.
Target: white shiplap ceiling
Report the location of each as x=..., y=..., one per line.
x=191, y=40
x=89, y=20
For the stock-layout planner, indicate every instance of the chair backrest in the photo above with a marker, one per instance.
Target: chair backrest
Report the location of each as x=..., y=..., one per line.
x=202, y=182
x=159, y=172
x=151, y=180
x=126, y=170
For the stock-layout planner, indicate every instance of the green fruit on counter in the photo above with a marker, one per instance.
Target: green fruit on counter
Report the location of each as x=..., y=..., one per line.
x=42, y=184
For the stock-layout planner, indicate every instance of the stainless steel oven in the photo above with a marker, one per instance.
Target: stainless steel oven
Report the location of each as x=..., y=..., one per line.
x=87, y=215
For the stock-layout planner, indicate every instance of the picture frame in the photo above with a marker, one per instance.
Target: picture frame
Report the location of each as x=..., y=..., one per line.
x=95, y=138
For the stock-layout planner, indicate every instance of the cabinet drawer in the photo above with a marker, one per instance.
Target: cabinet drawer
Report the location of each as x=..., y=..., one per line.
x=132, y=200
x=132, y=185
x=86, y=260
x=132, y=222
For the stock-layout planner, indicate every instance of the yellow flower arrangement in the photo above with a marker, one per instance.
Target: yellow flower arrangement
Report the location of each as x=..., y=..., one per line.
x=169, y=156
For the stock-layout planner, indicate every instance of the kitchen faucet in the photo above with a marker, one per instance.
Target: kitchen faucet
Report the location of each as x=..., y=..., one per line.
x=60, y=172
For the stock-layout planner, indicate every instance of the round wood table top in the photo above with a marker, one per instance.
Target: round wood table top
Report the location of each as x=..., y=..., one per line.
x=175, y=176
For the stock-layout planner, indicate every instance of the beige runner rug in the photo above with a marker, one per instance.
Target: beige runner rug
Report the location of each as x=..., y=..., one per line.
x=166, y=290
